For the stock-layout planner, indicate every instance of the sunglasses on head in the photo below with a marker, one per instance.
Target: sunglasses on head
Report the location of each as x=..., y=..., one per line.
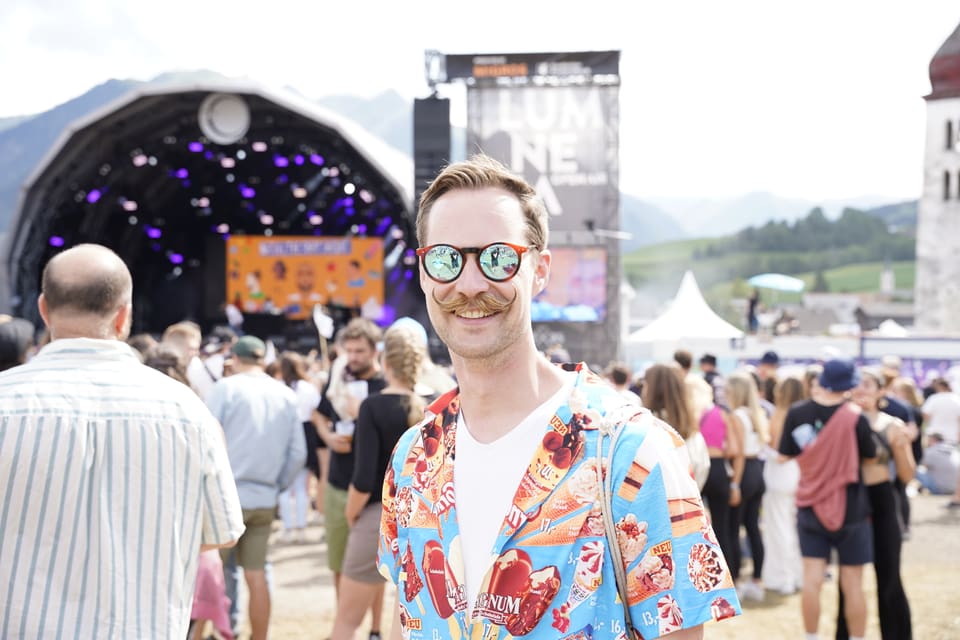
x=498, y=261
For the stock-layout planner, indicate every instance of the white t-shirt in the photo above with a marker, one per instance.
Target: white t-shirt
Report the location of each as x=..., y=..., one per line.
x=942, y=411
x=308, y=398
x=485, y=489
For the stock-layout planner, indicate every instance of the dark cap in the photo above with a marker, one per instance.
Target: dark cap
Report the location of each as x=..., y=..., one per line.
x=708, y=358
x=250, y=348
x=839, y=375
x=770, y=357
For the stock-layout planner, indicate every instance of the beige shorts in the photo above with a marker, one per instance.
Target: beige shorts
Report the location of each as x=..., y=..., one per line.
x=251, y=549
x=360, y=559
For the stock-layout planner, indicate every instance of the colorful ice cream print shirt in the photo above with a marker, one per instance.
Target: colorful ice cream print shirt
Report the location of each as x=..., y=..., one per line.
x=550, y=574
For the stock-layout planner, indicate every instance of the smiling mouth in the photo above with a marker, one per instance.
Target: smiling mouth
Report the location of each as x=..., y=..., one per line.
x=473, y=314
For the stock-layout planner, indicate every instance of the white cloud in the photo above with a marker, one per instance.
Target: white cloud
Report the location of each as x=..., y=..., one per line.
x=816, y=100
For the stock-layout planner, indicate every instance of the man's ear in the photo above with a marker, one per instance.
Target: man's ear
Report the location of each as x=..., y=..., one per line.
x=541, y=275
x=42, y=307
x=121, y=317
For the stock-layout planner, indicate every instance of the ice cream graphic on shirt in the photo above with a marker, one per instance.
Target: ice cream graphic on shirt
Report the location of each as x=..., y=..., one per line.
x=586, y=580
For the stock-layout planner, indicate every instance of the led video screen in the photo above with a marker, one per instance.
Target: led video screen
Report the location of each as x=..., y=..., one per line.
x=577, y=290
x=290, y=274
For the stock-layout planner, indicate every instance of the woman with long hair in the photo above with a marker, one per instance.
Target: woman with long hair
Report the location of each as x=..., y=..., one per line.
x=744, y=398
x=893, y=449
x=666, y=395
x=782, y=564
x=383, y=418
x=294, y=502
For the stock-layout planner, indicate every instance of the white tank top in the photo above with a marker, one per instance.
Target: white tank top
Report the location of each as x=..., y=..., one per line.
x=751, y=439
x=485, y=479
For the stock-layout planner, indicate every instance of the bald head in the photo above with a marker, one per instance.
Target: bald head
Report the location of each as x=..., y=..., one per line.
x=86, y=283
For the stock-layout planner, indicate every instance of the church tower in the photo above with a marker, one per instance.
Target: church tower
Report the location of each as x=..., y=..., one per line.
x=937, y=288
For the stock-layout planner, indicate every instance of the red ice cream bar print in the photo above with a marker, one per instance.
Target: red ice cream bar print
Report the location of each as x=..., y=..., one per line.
x=446, y=594
x=518, y=596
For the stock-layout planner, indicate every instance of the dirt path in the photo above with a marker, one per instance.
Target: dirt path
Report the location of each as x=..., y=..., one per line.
x=303, y=603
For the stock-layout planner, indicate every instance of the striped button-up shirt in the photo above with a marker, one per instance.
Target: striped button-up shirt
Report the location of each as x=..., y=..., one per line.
x=112, y=476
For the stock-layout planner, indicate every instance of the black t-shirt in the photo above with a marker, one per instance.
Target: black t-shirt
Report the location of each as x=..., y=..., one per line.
x=382, y=420
x=341, y=464
x=817, y=415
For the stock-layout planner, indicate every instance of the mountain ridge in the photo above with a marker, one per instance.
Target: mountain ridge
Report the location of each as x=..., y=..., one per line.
x=25, y=140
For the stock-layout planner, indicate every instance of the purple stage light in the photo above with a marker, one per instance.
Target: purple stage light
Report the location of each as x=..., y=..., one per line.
x=408, y=274
x=93, y=195
x=153, y=232
x=175, y=258
x=247, y=192
x=182, y=173
x=56, y=241
x=316, y=159
x=298, y=159
x=280, y=161
x=208, y=155
x=383, y=226
x=195, y=147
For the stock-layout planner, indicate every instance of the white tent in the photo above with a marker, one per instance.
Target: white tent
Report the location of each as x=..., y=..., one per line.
x=688, y=317
x=688, y=321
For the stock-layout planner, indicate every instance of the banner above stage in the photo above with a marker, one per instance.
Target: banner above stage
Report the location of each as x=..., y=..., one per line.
x=526, y=65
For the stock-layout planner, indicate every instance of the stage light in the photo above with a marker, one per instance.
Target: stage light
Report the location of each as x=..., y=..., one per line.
x=241, y=154
x=268, y=232
x=316, y=219
x=177, y=271
x=56, y=241
x=175, y=258
x=104, y=170
x=223, y=228
x=280, y=161
x=349, y=188
x=229, y=163
x=366, y=196
x=152, y=161
x=153, y=232
x=266, y=219
x=139, y=160
x=316, y=159
x=195, y=147
x=130, y=205
x=299, y=192
x=259, y=146
x=203, y=202
x=298, y=159
x=182, y=173
x=229, y=177
x=133, y=220
x=93, y=195
x=247, y=192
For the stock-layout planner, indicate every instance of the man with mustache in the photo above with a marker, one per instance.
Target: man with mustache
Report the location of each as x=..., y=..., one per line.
x=493, y=465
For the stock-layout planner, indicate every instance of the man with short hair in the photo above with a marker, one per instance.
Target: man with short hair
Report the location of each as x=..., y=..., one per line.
x=267, y=449
x=115, y=476
x=708, y=366
x=354, y=375
x=493, y=516
x=830, y=438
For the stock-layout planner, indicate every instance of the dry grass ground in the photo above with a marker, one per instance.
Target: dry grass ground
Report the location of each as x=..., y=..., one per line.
x=303, y=603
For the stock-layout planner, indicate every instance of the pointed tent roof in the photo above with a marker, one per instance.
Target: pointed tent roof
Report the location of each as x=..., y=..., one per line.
x=689, y=316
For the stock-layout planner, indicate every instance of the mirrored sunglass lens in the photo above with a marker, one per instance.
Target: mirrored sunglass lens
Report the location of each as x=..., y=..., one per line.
x=499, y=261
x=443, y=263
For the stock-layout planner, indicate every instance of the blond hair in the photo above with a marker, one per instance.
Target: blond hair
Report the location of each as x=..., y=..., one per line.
x=404, y=354
x=742, y=392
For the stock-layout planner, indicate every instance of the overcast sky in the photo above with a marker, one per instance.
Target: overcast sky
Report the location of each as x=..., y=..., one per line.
x=820, y=99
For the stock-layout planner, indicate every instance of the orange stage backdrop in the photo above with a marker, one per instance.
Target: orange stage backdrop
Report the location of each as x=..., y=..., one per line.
x=290, y=274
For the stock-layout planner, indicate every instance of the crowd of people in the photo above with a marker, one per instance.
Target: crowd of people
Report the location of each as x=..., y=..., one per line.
x=805, y=486
x=147, y=477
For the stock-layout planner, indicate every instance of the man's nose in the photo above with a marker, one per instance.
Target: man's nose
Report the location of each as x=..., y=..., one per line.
x=472, y=280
